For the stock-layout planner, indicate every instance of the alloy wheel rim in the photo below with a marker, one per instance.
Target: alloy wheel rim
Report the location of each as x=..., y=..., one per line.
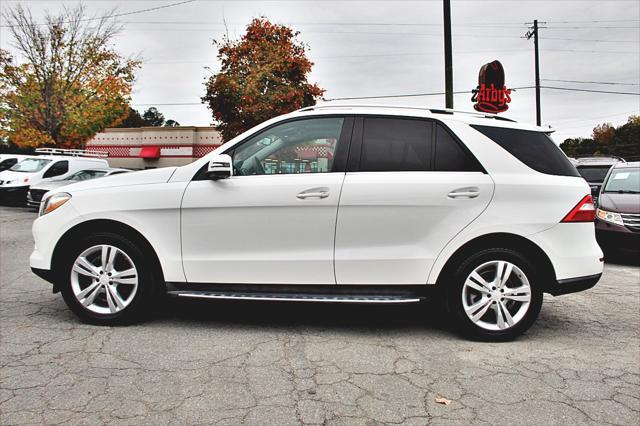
x=104, y=279
x=496, y=295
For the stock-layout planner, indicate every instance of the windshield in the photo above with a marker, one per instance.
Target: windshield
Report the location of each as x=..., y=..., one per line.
x=30, y=165
x=593, y=173
x=624, y=180
x=87, y=174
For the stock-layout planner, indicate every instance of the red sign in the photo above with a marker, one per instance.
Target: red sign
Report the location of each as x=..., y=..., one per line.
x=491, y=95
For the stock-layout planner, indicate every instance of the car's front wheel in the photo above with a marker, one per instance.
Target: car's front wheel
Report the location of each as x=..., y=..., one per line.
x=496, y=295
x=106, y=279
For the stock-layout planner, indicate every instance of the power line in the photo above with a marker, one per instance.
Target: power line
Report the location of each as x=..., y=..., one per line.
x=117, y=15
x=592, y=22
x=571, y=89
x=592, y=27
x=592, y=82
x=367, y=24
x=625, y=52
x=563, y=122
x=591, y=40
x=409, y=95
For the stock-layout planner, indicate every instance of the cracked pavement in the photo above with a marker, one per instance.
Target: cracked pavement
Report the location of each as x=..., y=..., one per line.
x=276, y=364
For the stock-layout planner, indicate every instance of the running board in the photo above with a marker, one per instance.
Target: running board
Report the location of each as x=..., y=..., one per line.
x=297, y=297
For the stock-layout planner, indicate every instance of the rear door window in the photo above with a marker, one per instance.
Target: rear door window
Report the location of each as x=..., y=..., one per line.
x=396, y=144
x=535, y=149
x=451, y=156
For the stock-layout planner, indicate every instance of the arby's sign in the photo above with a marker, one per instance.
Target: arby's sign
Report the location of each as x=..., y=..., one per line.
x=491, y=95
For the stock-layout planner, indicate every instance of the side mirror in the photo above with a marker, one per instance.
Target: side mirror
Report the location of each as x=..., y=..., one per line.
x=220, y=167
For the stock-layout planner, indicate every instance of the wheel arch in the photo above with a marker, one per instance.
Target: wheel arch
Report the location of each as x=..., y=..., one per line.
x=501, y=240
x=96, y=226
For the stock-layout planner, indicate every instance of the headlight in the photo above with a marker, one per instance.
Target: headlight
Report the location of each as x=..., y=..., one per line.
x=52, y=202
x=610, y=217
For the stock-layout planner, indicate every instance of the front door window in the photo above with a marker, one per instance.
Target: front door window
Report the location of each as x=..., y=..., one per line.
x=300, y=146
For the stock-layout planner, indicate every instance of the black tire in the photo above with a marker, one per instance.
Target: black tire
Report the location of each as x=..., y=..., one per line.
x=145, y=295
x=454, y=295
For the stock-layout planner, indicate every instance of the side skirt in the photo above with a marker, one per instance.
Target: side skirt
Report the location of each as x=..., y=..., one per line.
x=301, y=293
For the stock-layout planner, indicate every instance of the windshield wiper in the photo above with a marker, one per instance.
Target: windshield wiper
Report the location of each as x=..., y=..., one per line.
x=622, y=191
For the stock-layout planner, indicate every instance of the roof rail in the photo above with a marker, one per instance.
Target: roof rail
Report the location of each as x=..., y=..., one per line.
x=72, y=152
x=598, y=157
x=432, y=110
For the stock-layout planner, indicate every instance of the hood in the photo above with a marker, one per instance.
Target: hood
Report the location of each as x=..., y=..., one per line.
x=48, y=185
x=620, y=203
x=143, y=177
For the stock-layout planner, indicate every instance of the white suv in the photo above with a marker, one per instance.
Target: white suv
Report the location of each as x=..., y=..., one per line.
x=335, y=204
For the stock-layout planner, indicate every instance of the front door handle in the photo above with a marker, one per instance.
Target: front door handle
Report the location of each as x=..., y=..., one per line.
x=313, y=193
x=471, y=192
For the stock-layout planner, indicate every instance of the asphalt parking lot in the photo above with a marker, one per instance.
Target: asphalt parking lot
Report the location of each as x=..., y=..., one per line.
x=276, y=364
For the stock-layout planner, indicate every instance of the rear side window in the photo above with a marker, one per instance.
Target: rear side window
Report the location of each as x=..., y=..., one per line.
x=57, y=169
x=450, y=156
x=535, y=149
x=396, y=144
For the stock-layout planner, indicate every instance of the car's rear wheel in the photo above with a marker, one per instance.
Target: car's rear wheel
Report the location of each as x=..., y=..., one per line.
x=496, y=295
x=107, y=279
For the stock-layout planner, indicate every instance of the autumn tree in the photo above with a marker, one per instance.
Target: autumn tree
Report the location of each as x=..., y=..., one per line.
x=603, y=133
x=262, y=75
x=69, y=84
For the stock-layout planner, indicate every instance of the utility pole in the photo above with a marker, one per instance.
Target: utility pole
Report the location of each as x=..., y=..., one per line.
x=533, y=32
x=448, y=61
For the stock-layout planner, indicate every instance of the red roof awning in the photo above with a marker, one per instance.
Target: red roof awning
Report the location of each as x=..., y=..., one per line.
x=150, y=152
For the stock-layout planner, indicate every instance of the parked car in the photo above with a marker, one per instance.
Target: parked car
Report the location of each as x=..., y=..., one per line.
x=335, y=204
x=35, y=193
x=618, y=214
x=61, y=163
x=594, y=170
x=9, y=160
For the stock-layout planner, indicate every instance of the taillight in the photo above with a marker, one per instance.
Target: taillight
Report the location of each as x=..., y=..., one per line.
x=584, y=211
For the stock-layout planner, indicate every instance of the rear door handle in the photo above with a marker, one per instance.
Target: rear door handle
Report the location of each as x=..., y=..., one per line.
x=313, y=193
x=471, y=192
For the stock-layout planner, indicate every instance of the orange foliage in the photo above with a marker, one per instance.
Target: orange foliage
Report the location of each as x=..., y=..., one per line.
x=264, y=74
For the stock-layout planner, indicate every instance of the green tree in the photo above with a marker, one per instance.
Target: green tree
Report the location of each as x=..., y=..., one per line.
x=153, y=117
x=262, y=75
x=133, y=119
x=71, y=85
x=150, y=118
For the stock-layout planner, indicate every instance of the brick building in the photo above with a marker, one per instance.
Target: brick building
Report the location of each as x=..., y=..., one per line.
x=150, y=147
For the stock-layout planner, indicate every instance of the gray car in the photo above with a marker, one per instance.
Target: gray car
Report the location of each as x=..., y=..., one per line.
x=35, y=194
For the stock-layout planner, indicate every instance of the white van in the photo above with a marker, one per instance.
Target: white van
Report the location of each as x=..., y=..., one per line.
x=9, y=160
x=52, y=163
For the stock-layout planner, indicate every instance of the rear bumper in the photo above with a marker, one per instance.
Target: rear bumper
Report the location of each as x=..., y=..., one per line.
x=573, y=285
x=572, y=250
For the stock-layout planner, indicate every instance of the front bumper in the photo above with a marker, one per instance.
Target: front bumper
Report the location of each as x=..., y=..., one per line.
x=573, y=285
x=14, y=193
x=617, y=237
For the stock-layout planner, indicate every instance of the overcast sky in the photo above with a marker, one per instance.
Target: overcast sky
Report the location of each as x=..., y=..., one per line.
x=393, y=47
